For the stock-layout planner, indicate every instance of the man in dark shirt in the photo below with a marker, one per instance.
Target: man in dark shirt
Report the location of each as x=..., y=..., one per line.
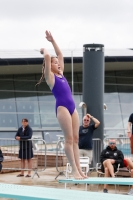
x=130, y=131
x=86, y=134
x=110, y=158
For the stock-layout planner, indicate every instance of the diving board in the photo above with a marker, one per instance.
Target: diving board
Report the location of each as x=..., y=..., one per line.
x=99, y=180
x=22, y=192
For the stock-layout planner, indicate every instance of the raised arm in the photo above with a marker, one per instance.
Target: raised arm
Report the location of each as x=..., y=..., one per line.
x=58, y=52
x=46, y=70
x=129, y=129
x=96, y=121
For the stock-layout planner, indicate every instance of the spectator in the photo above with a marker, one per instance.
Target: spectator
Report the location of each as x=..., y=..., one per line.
x=85, y=136
x=130, y=132
x=110, y=158
x=129, y=164
x=25, y=151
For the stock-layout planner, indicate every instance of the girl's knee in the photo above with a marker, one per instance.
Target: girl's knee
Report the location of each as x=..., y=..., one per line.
x=69, y=141
x=76, y=140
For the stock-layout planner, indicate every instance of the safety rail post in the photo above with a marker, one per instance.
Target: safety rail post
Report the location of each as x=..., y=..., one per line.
x=59, y=148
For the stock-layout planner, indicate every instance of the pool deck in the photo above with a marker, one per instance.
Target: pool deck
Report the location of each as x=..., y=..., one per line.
x=47, y=179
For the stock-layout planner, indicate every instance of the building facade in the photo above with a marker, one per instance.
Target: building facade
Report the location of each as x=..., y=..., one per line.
x=19, y=98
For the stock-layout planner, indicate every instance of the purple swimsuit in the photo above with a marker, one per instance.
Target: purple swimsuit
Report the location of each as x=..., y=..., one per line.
x=63, y=94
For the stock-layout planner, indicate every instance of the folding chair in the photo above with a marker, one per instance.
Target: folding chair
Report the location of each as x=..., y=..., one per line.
x=100, y=173
x=84, y=164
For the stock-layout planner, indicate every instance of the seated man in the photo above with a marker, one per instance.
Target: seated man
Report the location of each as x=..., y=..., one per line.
x=110, y=158
x=129, y=164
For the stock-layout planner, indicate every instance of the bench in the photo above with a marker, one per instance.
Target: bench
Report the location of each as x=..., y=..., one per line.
x=97, y=180
x=22, y=192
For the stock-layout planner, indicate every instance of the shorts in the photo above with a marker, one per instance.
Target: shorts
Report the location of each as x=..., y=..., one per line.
x=86, y=153
x=115, y=168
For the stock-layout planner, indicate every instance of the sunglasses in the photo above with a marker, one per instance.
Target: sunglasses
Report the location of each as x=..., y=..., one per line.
x=86, y=120
x=112, y=143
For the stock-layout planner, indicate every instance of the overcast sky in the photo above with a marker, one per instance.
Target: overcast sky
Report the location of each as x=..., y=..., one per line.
x=72, y=23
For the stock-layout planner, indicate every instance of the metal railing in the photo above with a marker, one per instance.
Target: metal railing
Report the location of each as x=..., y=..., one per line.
x=115, y=132
x=13, y=149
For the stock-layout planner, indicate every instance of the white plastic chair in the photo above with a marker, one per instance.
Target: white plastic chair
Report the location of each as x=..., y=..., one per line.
x=84, y=164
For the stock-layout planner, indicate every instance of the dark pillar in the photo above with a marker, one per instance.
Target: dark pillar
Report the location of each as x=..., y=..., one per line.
x=93, y=83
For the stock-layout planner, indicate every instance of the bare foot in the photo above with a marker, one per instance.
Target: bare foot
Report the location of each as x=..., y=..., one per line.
x=77, y=175
x=82, y=174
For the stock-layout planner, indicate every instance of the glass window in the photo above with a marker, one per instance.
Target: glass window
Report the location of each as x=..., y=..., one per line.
x=7, y=106
x=126, y=108
x=125, y=120
x=111, y=98
x=113, y=108
x=109, y=73
x=7, y=95
x=49, y=120
x=34, y=119
x=47, y=107
x=68, y=76
x=24, y=77
x=124, y=80
x=27, y=106
x=8, y=120
x=26, y=96
x=5, y=76
x=6, y=85
x=124, y=73
x=43, y=96
x=110, y=79
x=25, y=85
x=43, y=87
x=110, y=88
x=125, y=89
x=113, y=120
x=77, y=87
x=126, y=97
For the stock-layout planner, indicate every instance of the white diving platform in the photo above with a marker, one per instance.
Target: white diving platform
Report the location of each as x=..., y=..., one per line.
x=22, y=192
x=97, y=180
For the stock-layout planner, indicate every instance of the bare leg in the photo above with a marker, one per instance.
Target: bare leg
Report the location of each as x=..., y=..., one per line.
x=107, y=164
x=75, y=127
x=130, y=165
x=107, y=174
x=29, y=166
x=22, y=166
x=65, y=121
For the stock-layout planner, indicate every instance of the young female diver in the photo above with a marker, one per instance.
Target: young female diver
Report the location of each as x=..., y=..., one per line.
x=66, y=112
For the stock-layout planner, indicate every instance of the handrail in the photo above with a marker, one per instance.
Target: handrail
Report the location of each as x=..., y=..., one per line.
x=83, y=106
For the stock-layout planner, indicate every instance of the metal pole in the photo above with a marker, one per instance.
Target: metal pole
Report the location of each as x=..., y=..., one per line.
x=72, y=72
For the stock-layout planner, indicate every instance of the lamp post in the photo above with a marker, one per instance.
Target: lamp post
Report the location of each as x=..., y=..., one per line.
x=72, y=72
x=72, y=47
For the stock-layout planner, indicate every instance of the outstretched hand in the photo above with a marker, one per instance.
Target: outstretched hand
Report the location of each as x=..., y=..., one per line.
x=49, y=37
